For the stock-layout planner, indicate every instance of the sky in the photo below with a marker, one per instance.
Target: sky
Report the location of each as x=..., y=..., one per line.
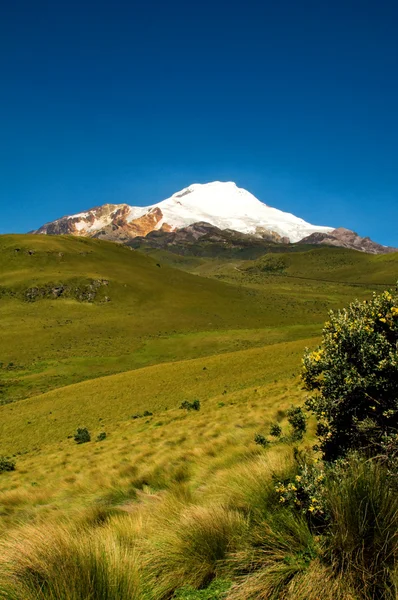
x=127, y=101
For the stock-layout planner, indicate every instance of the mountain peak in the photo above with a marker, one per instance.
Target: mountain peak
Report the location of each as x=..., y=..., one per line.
x=220, y=203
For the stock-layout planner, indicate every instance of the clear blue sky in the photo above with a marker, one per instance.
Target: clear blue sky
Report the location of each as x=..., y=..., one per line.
x=296, y=101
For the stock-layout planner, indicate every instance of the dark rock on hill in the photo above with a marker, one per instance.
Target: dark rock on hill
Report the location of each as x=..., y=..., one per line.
x=345, y=238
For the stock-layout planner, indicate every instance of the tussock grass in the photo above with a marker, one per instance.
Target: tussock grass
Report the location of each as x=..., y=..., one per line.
x=278, y=550
x=190, y=549
x=63, y=563
x=363, y=541
x=250, y=486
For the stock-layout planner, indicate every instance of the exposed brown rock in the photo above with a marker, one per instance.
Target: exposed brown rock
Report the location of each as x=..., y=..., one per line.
x=345, y=238
x=67, y=225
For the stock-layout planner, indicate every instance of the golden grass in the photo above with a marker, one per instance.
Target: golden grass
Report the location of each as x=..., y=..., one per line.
x=100, y=403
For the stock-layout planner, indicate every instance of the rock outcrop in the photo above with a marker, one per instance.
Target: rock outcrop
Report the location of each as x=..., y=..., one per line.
x=345, y=238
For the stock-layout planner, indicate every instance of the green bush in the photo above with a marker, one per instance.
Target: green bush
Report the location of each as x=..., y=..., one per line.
x=195, y=405
x=6, y=464
x=101, y=436
x=82, y=435
x=354, y=374
x=275, y=430
x=298, y=422
x=305, y=492
x=260, y=440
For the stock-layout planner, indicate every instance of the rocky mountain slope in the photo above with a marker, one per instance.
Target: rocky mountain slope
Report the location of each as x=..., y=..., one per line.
x=203, y=239
x=345, y=238
x=222, y=204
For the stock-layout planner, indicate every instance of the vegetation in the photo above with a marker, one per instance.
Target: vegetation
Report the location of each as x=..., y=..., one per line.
x=82, y=435
x=183, y=504
x=297, y=421
x=6, y=464
x=354, y=373
x=195, y=405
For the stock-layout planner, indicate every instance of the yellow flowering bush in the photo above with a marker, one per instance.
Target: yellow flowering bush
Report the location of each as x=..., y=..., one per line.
x=305, y=491
x=354, y=374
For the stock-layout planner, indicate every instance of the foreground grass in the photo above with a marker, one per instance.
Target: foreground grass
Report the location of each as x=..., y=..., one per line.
x=188, y=545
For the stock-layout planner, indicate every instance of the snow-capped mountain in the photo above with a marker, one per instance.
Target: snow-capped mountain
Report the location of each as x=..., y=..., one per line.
x=221, y=204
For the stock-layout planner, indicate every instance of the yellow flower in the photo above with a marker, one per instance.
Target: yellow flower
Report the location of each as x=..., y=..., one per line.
x=311, y=508
x=298, y=478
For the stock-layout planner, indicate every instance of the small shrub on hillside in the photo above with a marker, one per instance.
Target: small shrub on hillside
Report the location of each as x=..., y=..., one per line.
x=82, y=435
x=306, y=492
x=147, y=413
x=6, y=464
x=298, y=422
x=101, y=436
x=354, y=374
x=195, y=405
x=260, y=440
x=275, y=430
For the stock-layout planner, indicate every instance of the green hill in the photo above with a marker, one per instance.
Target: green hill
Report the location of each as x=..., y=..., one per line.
x=75, y=308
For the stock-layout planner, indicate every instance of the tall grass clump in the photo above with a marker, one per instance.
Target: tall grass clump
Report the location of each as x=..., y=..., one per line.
x=250, y=487
x=362, y=536
x=60, y=563
x=278, y=550
x=191, y=550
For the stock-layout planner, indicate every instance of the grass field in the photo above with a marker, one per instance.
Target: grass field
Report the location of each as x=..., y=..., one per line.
x=227, y=333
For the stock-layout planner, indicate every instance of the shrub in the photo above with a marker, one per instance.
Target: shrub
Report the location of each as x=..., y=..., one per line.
x=275, y=430
x=354, y=374
x=195, y=405
x=82, y=435
x=6, y=464
x=305, y=492
x=147, y=413
x=298, y=422
x=260, y=440
x=101, y=436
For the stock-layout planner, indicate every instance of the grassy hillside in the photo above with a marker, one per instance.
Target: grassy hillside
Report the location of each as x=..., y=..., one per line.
x=53, y=416
x=240, y=394
x=100, y=336
x=306, y=263
x=75, y=309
